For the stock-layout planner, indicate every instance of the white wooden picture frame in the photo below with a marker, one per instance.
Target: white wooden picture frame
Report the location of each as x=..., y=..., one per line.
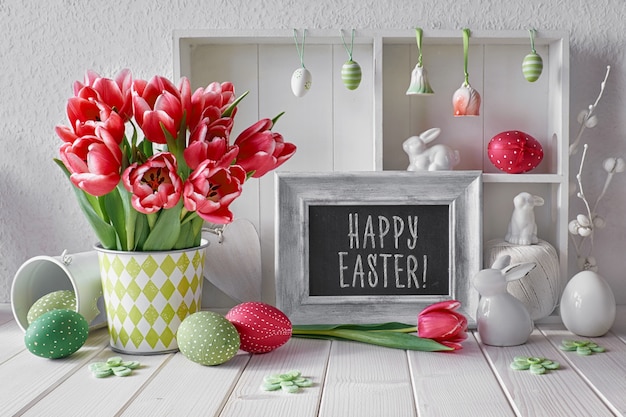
x=297, y=193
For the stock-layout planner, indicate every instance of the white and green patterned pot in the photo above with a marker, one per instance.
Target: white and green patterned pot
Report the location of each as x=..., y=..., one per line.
x=148, y=294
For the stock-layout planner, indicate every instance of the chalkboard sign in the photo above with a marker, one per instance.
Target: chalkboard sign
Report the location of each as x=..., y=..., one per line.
x=378, y=250
x=373, y=247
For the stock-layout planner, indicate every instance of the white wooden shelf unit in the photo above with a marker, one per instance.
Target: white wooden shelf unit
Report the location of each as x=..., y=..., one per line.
x=337, y=129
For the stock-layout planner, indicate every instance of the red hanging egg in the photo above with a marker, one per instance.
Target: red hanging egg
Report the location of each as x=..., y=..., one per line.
x=514, y=152
x=262, y=327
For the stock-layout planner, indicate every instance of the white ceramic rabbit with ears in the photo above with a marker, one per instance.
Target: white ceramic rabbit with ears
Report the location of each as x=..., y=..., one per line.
x=522, y=227
x=434, y=158
x=502, y=319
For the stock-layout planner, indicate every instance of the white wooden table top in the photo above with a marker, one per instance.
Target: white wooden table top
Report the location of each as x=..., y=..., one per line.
x=350, y=379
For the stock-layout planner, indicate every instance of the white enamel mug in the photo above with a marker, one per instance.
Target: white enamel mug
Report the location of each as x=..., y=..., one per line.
x=42, y=275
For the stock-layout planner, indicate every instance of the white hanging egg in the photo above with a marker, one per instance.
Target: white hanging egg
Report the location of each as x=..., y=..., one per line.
x=351, y=74
x=532, y=65
x=301, y=81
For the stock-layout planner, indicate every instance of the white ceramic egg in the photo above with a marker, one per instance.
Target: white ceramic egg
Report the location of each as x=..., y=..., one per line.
x=301, y=81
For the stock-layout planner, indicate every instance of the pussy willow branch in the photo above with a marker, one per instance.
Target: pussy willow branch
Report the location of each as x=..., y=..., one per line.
x=573, y=148
x=581, y=195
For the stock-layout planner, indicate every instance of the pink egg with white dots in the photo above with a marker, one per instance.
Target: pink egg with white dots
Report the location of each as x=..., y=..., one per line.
x=514, y=152
x=262, y=327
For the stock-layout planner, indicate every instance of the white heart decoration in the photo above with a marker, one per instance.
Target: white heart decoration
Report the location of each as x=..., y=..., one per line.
x=233, y=261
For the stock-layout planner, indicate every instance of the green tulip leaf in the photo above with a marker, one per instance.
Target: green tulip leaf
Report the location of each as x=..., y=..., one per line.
x=166, y=229
x=91, y=208
x=229, y=111
x=391, y=335
x=115, y=208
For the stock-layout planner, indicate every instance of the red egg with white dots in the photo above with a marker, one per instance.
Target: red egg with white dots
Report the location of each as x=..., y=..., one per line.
x=262, y=327
x=514, y=152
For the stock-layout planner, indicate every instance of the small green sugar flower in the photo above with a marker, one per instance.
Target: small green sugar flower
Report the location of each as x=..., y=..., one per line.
x=113, y=366
x=289, y=382
x=536, y=365
x=582, y=347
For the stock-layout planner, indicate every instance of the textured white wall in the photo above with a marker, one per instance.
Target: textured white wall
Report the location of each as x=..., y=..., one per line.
x=47, y=45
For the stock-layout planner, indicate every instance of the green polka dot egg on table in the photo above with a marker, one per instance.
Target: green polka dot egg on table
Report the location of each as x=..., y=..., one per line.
x=56, y=334
x=207, y=338
x=64, y=299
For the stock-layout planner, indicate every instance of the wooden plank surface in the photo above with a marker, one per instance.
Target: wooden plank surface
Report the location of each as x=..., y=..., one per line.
x=445, y=383
x=350, y=379
x=364, y=380
x=307, y=356
x=33, y=379
x=604, y=372
x=185, y=388
x=557, y=393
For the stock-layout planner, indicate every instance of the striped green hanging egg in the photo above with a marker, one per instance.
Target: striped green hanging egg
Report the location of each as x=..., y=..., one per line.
x=532, y=66
x=351, y=74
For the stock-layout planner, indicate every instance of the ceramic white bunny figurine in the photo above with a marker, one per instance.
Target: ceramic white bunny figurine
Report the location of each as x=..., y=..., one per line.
x=522, y=228
x=434, y=158
x=502, y=319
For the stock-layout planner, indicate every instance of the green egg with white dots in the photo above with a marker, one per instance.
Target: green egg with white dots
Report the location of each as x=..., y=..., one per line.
x=63, y=299
x=207, y=338
x=56, y=334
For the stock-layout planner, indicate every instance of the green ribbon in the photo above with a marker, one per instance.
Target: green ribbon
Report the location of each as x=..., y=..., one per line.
x=418, y=38
x=466, y=36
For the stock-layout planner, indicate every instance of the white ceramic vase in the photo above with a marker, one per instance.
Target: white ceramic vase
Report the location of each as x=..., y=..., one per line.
x=588, y=305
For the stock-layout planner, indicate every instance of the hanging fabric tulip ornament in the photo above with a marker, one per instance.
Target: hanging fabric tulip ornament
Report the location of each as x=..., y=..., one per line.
x=466, y=100
x=301, y=78
x=351, y=70
x=419, y=81
x=532, y=65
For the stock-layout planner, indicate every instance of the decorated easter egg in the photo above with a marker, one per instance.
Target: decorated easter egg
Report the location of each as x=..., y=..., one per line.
x=65, y=299
x=56, y=334
x=514, y=152
x=207, y=338
x=301, y=81
x=532, y=65
x=351, y=75
x=262, y=327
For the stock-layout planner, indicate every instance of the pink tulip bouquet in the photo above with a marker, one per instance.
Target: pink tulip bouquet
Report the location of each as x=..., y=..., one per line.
x=154, y=192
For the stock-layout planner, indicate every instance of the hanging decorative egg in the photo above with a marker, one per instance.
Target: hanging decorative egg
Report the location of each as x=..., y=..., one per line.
x=532, y=66
x=351, y=74
x=301, y=81
x=514, y=152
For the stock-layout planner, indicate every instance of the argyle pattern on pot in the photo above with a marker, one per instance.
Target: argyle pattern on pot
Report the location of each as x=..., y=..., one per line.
x=148, y=294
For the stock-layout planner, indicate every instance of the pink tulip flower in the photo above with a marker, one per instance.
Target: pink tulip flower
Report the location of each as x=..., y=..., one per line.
x=210, y=103
x=211, y=142
x=94, y=162
x=442, y=323
x=115, y=93
x=155, y=184
x=211, y=188
x=282, y=152
x=256, y=145
x=158, y=105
